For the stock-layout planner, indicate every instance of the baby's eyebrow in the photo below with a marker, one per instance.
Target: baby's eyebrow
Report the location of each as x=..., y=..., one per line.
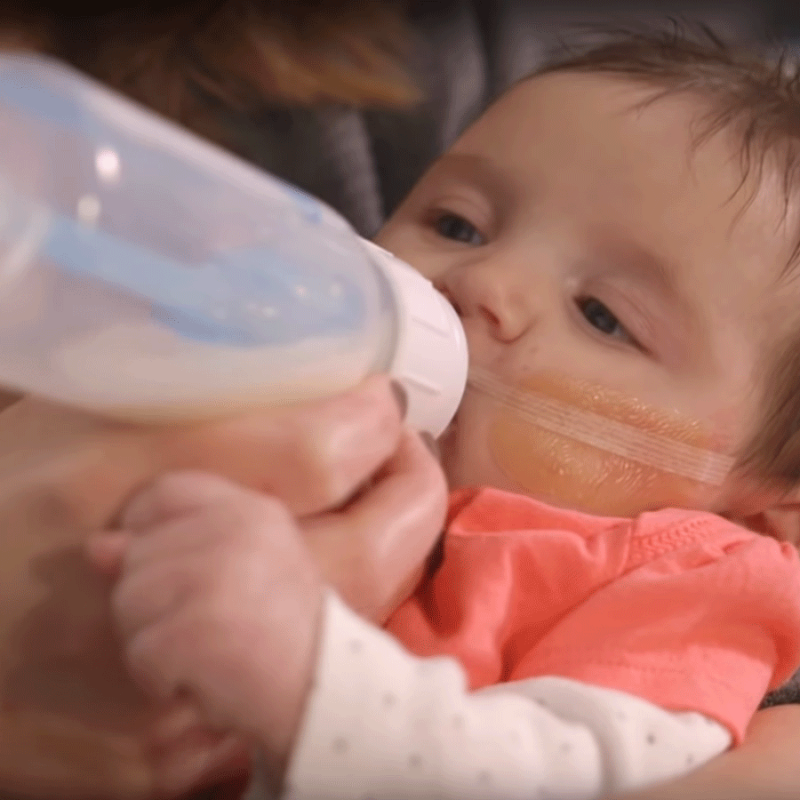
x=475, y=168
x=647, y=266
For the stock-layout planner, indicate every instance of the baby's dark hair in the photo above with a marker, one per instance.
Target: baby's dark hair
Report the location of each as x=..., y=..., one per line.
x=754, y=93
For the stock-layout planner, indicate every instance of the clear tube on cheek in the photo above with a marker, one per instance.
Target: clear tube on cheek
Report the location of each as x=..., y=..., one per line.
x=598, y=451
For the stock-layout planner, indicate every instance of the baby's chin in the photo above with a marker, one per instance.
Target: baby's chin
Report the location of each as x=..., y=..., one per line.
x=448, y=454
x=466, y=465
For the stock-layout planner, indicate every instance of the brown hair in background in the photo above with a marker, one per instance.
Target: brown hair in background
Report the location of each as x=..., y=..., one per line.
x=179, y=57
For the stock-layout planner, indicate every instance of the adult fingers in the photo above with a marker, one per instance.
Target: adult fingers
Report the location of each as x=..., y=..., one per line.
x=312, y=456
x=374, y=549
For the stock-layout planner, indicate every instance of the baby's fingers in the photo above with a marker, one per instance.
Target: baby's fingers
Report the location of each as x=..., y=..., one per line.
x=159, y=659
x=146, y=597
x=106, y=551
x=171, y=496
x=180, y=494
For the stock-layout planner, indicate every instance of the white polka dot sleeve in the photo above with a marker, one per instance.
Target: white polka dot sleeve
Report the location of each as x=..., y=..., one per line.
x=382, y=724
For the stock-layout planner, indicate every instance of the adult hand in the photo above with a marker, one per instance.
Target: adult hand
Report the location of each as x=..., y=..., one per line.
x=65, y=475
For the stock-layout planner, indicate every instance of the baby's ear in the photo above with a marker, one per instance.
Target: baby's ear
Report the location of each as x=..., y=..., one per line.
x=773, y=512
x=780, y=522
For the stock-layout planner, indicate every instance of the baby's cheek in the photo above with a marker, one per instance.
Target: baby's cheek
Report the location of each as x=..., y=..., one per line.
x=571, y=473
x=590, y=448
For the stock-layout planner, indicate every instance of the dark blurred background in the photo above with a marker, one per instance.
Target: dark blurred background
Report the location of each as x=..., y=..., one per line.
x=465, y=53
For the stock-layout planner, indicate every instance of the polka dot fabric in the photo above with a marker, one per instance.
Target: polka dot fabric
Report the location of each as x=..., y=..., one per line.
x=382, y=724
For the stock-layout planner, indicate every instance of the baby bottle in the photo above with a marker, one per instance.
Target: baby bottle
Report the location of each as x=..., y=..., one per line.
x=147, y=275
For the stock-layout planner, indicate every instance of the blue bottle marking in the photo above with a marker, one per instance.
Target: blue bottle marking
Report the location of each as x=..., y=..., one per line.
x=244, y=298
x=308, y=206
x=40, y=100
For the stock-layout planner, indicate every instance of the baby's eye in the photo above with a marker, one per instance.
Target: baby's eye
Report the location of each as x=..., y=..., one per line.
x=600, y=317
x=452, y=226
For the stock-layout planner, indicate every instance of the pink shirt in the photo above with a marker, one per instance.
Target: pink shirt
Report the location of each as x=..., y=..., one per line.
x=681, y=608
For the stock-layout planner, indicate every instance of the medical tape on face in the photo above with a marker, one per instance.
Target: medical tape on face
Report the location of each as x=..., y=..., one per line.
x=597, y=430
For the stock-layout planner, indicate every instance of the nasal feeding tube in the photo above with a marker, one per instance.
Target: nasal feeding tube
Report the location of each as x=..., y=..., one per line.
x=595, y=449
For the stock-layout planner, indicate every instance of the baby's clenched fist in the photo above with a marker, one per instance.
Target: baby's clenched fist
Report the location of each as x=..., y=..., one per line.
x=217, y=598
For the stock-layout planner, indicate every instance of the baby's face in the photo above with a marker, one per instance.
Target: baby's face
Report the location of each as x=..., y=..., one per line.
x=601, y=260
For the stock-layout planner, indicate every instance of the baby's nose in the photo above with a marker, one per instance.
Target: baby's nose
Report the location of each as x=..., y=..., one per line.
x=496, y=296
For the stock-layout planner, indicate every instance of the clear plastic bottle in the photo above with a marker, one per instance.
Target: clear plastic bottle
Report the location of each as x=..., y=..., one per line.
x=147, y=275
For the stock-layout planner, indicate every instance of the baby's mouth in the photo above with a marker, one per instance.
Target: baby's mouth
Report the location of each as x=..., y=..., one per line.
x=447, y=446
x=450, y=429
x=449, y=433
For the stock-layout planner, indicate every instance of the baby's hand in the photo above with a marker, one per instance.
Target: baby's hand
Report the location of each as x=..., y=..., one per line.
x=217, y=598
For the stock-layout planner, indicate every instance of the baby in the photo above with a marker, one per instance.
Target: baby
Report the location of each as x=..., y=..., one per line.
x=619, y=585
